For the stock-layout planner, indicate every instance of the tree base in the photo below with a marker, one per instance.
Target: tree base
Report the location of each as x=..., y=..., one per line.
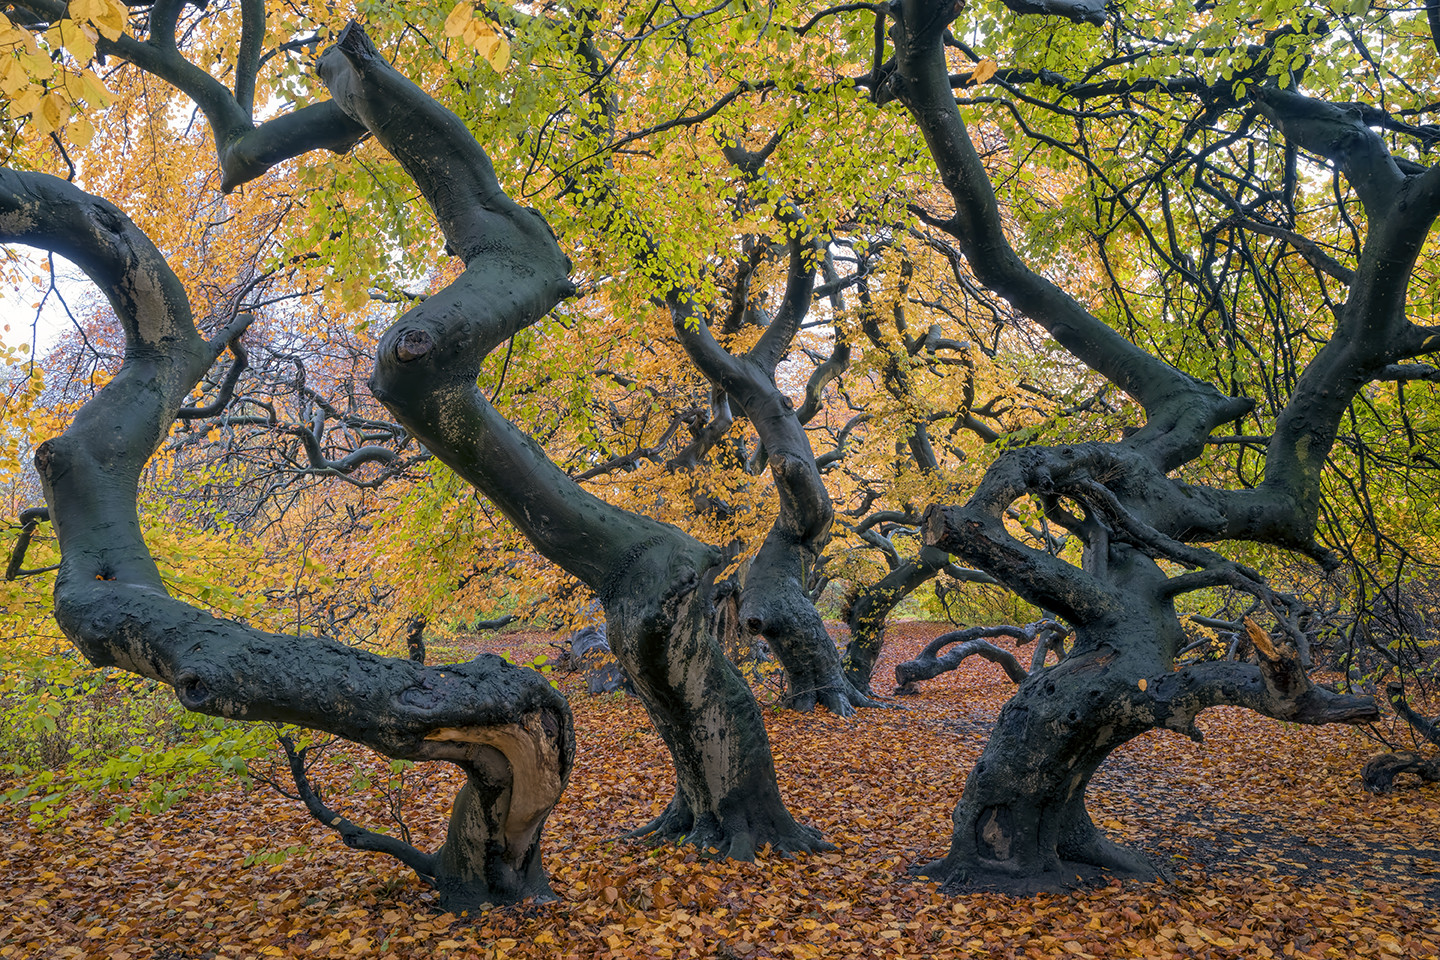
x=842, y=700
x=457, y=896
x=989, y=876
x=736, y=836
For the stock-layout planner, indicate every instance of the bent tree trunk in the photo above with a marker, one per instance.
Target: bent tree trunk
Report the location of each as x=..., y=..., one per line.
x=503, y=725
x=1021, y=819
x=654, y=581
x=1021, y=825
x=868, y=608
x=773, y=601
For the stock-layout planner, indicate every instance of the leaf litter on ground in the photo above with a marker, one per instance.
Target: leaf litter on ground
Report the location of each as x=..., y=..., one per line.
x=1275, y=849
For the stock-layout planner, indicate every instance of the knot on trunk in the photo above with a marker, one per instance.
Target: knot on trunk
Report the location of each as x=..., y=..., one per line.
x=412, y=345
x=192, y=690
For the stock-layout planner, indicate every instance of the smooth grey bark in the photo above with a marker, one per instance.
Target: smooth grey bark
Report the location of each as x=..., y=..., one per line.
x=504, y=726
x=1021, y=823
x=654, y=581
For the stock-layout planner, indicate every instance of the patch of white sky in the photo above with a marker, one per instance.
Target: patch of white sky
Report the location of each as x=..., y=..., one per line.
x=33, y=308
x=36, y=306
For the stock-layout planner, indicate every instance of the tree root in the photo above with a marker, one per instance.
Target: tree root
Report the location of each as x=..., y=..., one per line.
x=1380, y=773
x=839, y=696
x=738, y=836
x=990, y=876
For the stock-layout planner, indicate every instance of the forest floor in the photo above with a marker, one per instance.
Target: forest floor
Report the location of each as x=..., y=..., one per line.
x=1275, y=848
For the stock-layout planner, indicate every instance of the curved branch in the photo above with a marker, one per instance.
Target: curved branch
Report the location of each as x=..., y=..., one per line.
x=30, y=519
x=972, y=642
x=651, y=577
x=111, y=601
x=227, y=387
x=822, y=376
x=1308, y=248
x=652, y=452
x=1339, y=134
x=244, y=151
x=705, y=436
x=249, y=152
x=1279, y=690
x=976, y=532
x=515, y=274
x=351, y=834
x=252, y=47
x=1421, y=724
x=1180, y=411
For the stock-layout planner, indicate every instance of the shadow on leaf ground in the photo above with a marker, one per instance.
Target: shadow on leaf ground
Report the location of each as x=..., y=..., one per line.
x=1275, y=848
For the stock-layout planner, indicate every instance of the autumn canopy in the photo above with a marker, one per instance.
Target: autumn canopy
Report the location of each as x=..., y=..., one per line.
x=740, y=330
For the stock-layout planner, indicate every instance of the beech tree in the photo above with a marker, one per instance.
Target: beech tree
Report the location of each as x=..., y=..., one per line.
x=1158, y=202
x=504, y=725
x=1022, y=816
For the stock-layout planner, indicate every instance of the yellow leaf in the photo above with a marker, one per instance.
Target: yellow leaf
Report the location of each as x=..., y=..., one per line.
x=459, y=19
x=79, y=39
x=45, y=113
x=1144, y=683
x=86, y=9
x=13, y=36
x=54, y=108
x=37, y=65
x=93, y=91
x=13, y=77
x=81, y=132
x=487, y=41
x=984, y=70
x=111, y=18
x=75, y=37
x=499, y=57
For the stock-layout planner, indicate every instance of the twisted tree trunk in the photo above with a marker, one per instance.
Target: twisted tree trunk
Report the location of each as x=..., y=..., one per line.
x=654, y=581
x=503, y=725
x=773, y=601
x=1021, y=822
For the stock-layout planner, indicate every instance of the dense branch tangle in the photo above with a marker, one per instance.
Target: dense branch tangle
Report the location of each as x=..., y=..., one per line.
x=1120, y=499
